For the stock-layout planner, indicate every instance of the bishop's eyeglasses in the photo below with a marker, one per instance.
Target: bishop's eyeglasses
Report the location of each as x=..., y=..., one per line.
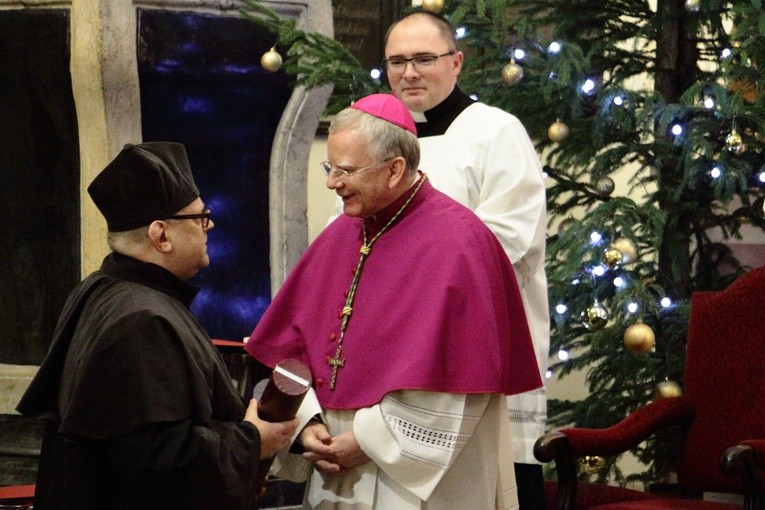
x=420, y=63
x=204, y=216
x=338, y=172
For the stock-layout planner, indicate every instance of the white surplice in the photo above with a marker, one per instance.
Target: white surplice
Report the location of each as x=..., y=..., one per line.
x=486, y=162
x=428, y=450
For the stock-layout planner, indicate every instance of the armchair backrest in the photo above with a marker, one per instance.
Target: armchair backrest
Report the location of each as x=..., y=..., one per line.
x=725, y=378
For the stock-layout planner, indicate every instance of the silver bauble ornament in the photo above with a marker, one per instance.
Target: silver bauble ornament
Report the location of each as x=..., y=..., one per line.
x=565, y=224
x=627, y=247
x=605, y=186
x=558, y=131
x=692, y=5
x=512, y=73
x=432, y=5
x=667, y=389
x=639, y=338
x=594, y=317
x=271, y=60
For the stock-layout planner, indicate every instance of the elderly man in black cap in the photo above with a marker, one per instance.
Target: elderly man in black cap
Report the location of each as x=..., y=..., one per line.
x=140, y=409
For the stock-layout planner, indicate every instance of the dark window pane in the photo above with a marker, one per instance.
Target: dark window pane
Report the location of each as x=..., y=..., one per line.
x=40, y=193
x=202, y=85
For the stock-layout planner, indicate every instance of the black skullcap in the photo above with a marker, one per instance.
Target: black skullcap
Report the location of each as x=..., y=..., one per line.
x=145, y=182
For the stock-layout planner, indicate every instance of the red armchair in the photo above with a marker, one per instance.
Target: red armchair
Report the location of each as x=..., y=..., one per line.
x=722, y=405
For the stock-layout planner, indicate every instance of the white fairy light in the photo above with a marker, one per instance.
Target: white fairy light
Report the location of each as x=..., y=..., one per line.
x=563, y=355
x=561, y=308
x=588, y=86
x=632, y=307
x=666, y=302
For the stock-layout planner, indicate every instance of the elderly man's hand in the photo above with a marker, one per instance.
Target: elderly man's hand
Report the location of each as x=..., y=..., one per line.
x=273, y=436
x=332, y=455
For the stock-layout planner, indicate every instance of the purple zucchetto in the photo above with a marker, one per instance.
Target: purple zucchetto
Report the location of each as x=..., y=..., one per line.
x=144, y=183
x=387, y=107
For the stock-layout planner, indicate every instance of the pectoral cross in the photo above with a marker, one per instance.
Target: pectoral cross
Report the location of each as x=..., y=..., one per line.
x=335, y=363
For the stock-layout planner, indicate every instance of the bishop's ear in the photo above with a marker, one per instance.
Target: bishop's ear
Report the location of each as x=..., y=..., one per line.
x=397, y=170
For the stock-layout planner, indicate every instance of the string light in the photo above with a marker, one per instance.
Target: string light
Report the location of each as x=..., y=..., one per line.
x=677, y=130
x=618, y=100
x=618, y=281
x=548, y=374
x=726, y=53
x=598, y=270
x=632, y=307
x=666, y=302
x=460, y=32
x=709, y=102
x=375, y=74
x=588, y=87
x=563, y=355
x=595, y=237
x=715, y=172
x=762, y=176
x=561, y=308
x=519, y=54
x=554, y=48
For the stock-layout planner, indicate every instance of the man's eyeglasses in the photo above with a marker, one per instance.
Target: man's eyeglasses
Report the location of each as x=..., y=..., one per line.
x=420, y=62
x=326, y=167
x=204, y=216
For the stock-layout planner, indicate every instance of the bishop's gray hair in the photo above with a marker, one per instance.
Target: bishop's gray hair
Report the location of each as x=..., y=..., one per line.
x=384, y=139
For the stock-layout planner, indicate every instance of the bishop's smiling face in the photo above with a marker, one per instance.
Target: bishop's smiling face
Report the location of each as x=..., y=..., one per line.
x=364, y=193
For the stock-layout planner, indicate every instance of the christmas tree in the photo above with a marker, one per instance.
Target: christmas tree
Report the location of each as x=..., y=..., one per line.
x=665, y=96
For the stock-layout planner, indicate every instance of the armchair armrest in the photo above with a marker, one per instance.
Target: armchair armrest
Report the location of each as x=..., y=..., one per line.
x=566, y=445
x=745, y=460
x=632, y=430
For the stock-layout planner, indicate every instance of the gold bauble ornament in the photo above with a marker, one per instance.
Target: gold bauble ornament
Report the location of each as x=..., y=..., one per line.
x=639, y=338
x=605, y=186
x=591, y=464
x=558, y=131
x=734, y=142
x=594, y=317
x=692, y=5
x=271, y=60
x=565, y=225
x=432, y=5
x=667, y=389
x=512, y=73
x=612, y=257
x=627, y=247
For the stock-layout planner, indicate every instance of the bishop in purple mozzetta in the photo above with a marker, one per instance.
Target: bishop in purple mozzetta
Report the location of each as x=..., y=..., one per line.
x=407, y=311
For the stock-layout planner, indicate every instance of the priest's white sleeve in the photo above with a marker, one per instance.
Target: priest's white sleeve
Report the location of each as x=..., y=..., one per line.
x=415, y=436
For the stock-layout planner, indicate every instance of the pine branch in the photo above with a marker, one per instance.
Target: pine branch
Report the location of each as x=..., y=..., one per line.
x=314, y=58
